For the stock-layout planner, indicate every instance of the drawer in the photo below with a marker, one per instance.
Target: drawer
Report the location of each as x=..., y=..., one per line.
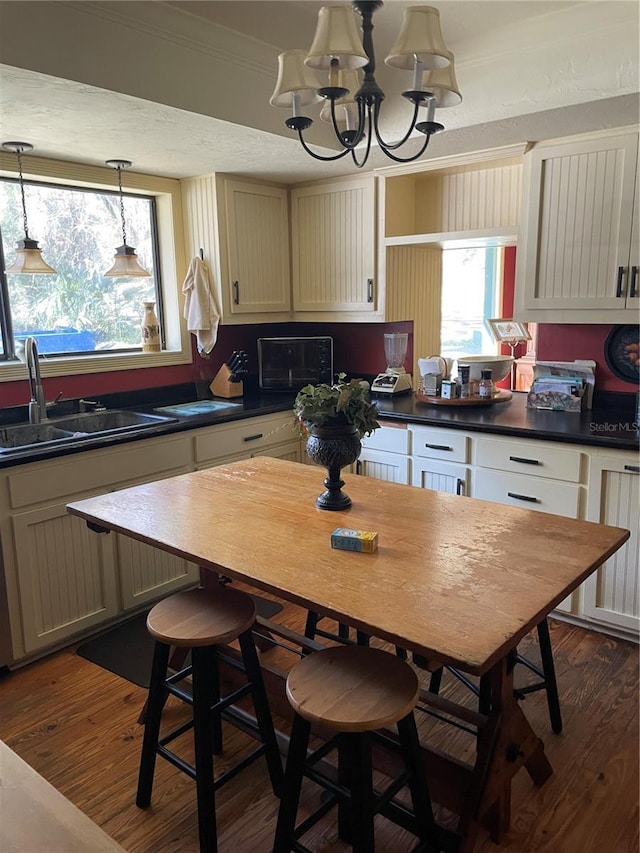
x=247, y=436
x=391, y=439
x=525, y=492
x=532, y=459
x=444, y=444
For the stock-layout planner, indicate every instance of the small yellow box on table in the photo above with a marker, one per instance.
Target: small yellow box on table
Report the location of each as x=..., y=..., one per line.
x=346, y=539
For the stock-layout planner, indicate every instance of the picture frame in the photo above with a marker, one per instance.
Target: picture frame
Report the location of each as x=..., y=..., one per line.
x=508, y=331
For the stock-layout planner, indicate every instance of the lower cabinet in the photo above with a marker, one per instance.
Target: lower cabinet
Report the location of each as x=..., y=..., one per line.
x=439, y=460
x=612, y=593
x=270, y=435
x=384, y=455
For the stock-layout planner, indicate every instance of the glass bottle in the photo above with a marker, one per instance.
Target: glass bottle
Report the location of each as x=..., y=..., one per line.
x=485, y=387
x=150, y=329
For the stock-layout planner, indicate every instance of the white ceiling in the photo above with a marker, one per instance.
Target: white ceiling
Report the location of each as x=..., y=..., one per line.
x=526, y=70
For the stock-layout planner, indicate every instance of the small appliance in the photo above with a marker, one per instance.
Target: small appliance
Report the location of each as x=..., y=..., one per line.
x=288, y=364
x=395, y=380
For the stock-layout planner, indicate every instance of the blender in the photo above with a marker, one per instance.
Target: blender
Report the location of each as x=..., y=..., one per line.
x=395, y=380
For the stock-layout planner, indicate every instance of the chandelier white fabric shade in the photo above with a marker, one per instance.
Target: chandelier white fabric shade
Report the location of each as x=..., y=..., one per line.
x=420, y=40
x=443, y=85
x=28, y=260
x=337, y=37
x=295, y=78
x=343, y=47
x=125, y=261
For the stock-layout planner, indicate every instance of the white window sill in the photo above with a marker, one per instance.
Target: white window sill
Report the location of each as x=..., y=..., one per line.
x=103, y=363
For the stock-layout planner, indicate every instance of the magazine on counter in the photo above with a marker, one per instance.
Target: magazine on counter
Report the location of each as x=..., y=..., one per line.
x=562, y=386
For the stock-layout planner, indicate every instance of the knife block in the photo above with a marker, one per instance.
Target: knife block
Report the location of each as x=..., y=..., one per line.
x=222, y=386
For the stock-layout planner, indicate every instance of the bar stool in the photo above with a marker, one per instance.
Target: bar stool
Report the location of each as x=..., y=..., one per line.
x=353, y=691
x=203, y=621
x=546, y=675
x=311, y=631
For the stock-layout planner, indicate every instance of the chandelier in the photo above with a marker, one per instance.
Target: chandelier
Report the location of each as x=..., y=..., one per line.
x=353, y=99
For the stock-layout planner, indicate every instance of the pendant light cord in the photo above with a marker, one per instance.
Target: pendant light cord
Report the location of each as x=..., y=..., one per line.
x=124, y=233
x=24, y=205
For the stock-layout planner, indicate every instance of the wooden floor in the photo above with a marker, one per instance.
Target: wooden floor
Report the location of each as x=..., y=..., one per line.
x=76, y=724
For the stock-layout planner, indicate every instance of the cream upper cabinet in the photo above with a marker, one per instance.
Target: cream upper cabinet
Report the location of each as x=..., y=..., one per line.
x=578, y=251
x=333, y=250
x=242, y=228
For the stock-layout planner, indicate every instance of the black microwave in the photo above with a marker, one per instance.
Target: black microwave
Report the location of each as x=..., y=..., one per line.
x=287, y=364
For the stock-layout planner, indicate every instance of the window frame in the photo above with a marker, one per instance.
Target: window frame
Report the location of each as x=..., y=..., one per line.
x=171, y=262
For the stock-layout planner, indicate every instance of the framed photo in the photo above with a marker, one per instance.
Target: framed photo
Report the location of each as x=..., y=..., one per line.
x=508, y=331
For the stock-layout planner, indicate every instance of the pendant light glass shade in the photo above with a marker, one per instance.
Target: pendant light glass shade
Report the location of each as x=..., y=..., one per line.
x=29, y=260
x=420, y=40
x=125, y=262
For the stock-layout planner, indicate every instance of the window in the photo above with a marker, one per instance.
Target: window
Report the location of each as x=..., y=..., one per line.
x=77, y=311
x=471, y=293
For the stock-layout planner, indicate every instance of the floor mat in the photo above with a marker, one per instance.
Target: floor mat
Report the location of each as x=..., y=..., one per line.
x=127, y=649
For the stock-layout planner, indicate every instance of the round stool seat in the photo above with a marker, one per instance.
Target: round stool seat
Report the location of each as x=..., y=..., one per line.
x=352, y=688
x=201, y=617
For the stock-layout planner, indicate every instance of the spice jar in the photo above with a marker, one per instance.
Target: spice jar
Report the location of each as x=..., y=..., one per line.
x=485, y=387
x=463, y=379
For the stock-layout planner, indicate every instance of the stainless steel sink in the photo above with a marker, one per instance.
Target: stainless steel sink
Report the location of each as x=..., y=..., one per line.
x=75, y=428
x=109, y=421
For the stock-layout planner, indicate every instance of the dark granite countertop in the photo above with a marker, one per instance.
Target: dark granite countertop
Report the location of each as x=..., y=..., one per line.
x=610, y=423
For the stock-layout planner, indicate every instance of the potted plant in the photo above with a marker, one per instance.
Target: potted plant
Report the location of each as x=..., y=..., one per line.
x=333, y=419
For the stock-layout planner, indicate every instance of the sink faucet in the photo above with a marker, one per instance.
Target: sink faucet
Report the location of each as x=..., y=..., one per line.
x=38, y=403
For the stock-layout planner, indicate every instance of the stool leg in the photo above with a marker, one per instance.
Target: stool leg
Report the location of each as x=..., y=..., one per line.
x=203, y=690
x=343, y=631
x=436, y=680
x=420, y=798
x=263, y=711
x=362, y=799
x=293, y=777
x=311, y=624
x=546, y=654
x=216, y=721
x=345, y=778
x=155, y=703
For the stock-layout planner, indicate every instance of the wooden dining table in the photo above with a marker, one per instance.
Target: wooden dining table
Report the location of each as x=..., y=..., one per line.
x=456, y=580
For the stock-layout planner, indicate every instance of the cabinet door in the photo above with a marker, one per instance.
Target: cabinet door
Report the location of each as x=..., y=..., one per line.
x=147, y=573
x=383, y=466
x=439, y=476
x=578, y=224
x=612, y=593
x=66, y=576
x=333, y=235
x=291, y=451
x=258, y=248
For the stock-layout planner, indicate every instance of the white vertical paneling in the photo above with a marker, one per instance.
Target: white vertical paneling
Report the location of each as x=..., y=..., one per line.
x=481, y=199
x=67, y=581
x=381, y=465
x=619, y=583
x=146, y=571
x=333, y=228
x=414, y=288
x=439, y=482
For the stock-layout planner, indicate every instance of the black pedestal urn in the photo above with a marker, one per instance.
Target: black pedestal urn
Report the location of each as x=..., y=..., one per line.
x=334, y=447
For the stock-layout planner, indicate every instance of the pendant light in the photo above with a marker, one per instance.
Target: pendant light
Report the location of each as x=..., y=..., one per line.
x=29, y=258
x=125, y=262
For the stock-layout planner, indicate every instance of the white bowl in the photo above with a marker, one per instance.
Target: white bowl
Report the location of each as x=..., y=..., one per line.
x=499, y=365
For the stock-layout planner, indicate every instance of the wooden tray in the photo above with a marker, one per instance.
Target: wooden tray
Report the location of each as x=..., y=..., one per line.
x=501, y=397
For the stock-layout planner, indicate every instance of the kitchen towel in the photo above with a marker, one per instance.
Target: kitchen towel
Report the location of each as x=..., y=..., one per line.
x=200, y=308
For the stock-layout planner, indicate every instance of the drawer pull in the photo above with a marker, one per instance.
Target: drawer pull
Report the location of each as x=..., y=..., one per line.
x=619, y=282
x=252, y=437
x=524, y=460
x=460, y=486
x=437, y=446
x=527, y=498
x=635, y=469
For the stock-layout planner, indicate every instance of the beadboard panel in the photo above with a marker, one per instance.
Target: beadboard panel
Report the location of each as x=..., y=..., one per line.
x=66, y=575
x=145, y=571
x=414, y=287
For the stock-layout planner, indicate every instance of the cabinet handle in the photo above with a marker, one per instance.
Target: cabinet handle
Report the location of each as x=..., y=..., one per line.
x=358, y=467
x=236, y=293
x=460, y=486
x=635, y=469
x=369, y=290
x=619, y=283
x=252, y=437
x=528, y=498
x=634, y=279
x=524, y=460
x=437, y=446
